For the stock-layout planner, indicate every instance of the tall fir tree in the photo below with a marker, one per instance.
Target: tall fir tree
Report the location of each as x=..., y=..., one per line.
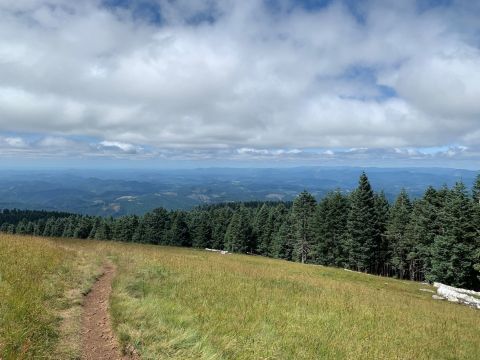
x=382, y=209
x=453, y=252
x=262, y=229
x=303, y=212
x=330, y=229
x=201, y=232
x=398, y=242
x=363, y=239
x=238, y=234
x=283, y=244
x=179, y=231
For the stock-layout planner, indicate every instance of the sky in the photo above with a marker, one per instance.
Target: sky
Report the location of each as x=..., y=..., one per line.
x=183, y=83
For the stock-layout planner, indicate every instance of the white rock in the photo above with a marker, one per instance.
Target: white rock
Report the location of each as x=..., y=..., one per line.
x=458, y=295
x=427, y=290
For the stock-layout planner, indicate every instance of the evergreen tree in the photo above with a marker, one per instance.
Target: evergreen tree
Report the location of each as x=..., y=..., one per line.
x=70, y=226
x=382, y=208
x=21, y=227
x=179, y=232
x=156, y=225
x=48, y=229
x=398, y=241
x=83, y=228
x=330, y=229
x=238, y=234
x=425, y=224
x=284, y=241
x=125, y=227
x=453, y=252
x=104, y=230
x=476, y=190
x=95, y=225
x=363, y=239
x=201, y=230
x=221, y=218
x=303, y=212
x=262, y=230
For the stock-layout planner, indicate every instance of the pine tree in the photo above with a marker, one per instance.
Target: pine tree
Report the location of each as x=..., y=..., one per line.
x=47, y=231
x=303, y=212
x=284, y=241
x=201, y=230
x=179, y=232
x=83, y=228
x=263, y=230
x=125, y=227
x=21, y=227
x=398, y=241
x=476, y=190
x=425, y=224
x=382, y=208
x=221, y=218
x=330, y=227
x=363, y=239
x=69, y=228
x=104, y=230
x=453, y=252
x=238, y=234
x=156, y=226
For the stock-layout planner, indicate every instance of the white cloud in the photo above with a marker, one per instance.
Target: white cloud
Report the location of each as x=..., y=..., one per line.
x=15, y=142
x=266, y=83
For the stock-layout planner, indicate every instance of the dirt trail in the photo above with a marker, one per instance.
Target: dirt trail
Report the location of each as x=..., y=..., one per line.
x=98, y=339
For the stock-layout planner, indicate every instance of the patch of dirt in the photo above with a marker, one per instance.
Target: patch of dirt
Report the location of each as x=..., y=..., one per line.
x=98, y=339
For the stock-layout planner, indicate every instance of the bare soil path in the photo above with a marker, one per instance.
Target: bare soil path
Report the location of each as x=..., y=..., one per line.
x=98, y=339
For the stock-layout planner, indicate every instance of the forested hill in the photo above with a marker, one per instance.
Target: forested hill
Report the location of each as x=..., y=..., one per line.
x=127, y=192
x=435, y=237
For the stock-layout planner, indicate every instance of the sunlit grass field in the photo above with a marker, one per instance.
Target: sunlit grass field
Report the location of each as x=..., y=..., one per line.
x=174, y=303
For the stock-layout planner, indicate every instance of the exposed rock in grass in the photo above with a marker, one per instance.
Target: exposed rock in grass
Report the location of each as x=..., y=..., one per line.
x=223, y=252
x=427, y=290
x=458, y=295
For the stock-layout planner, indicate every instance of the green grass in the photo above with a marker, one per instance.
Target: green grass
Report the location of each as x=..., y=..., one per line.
x=186, y=304
x=174, y=303
x=41, y=282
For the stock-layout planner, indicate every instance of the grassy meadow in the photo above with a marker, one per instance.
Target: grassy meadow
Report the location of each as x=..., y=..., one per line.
x=177, y=303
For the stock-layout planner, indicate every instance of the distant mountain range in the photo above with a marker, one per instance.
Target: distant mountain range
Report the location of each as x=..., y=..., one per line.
x=120, y=192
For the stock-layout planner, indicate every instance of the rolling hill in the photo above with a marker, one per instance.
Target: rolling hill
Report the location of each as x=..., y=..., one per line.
x=178, y=303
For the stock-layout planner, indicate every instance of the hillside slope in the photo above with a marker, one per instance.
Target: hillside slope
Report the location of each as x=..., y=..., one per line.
x=177, y=303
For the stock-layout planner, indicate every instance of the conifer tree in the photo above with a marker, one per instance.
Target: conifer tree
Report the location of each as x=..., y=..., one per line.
x=221, y=218
x=284, y=241
x=262, y=230
x=363, y=239
x=453, y=252
x=156, y=226
x=201, y=230
x=398, y=241
x=179, y=232
x=382, y=208
x=303, y=212
x=237, y=236
x=330, y=227
x=104, y=230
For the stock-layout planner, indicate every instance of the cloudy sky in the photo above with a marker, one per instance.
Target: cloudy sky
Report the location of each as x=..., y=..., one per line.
x=388, y=83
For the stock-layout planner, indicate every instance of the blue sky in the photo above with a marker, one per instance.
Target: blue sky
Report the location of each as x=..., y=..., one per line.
x=162, y=83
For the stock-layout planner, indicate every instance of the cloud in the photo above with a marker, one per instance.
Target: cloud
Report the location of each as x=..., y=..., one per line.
x=246, y=78
x=118, y=146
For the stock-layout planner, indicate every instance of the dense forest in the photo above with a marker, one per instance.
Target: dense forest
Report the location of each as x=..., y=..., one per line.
x=433, y=238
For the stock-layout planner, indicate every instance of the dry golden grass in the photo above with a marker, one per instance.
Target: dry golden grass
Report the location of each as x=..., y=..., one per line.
x=174, y=303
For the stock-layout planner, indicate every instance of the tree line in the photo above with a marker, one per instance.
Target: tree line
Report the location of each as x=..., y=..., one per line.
x=433, y=238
